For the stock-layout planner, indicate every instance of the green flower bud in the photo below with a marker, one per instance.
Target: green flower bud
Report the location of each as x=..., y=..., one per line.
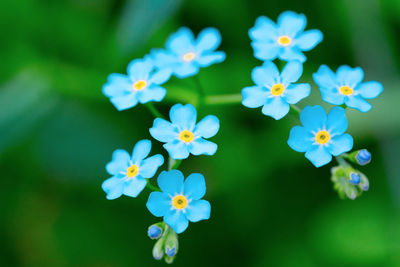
x=158, y=249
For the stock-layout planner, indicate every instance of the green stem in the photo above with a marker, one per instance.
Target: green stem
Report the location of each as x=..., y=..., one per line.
x=152, y=187
x=154, y=110
x=173, y=164
x=200, y=90
x=223, y=99
x=295, y=109
x=342, y=161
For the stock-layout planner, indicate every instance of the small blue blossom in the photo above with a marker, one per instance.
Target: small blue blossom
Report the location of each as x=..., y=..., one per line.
x=284, y=40
x=321, y=136
x=180, y=201
x=185, y=55
x=154, y=231
x=170, y=251
x=275, y=91
x=345, y=87
x=355, y=178
x=141, y=85
x=363, y=157
x=182, y=135
x=130, y=172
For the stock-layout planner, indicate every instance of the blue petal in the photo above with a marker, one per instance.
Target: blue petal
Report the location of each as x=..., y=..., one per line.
x=318, y=155
x=265, y=50
x=296, y=92
x=177, y=220
x=313, y=117
x=117, y=85
x=325, y=77
x=332, y=96
x=149, y=166
x=201, y=146
x=254, y=96
x=340, y=144
x=134, y=186
x=195, y=186
x=291, y=23
x=208, y=39
x=292, y=53
x=264, y=30
x=183, y=116
x=211, y=58
x=349, y=76
x=181, y=41
x=141, y=151
x=162, y=58
x=291, y=72
x=113, y=187
x=198, y=210
x=160, y=76
x=152, y=93
x=308, y=40
x=124, y=102
x=266, y=75
x=300, y=139
x=163, y=130
x=171, y=182
x=120, y=162
x=369, y=89
x=139, y=69
x=185, y=69
x=177, y=149
x=337, y=122
x=276, y=107
x=159, y=203
x=358, y=103
x=207, y=127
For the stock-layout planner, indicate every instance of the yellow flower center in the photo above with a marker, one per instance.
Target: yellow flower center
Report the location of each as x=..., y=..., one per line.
x=132, y=171
x=284, y=40
x=322, y=137
x=188, y=56
x=179, y=202
x=346, y=90
x=186, y=136
x=277, y=89
x=139, y=85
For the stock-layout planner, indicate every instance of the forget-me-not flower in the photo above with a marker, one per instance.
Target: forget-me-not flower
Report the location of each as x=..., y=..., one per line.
x=185, y=55
x=141, y=85
x=180, y=201
x=275, y=91
x=130, y=172
x=284, y=40
x=321, y=136
x=182, y=135
x=345, y=87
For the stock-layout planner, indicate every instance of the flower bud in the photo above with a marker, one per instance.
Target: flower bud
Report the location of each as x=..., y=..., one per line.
x=363, y=157
x=171, y=243
x=355, y=178
x=364, y=184
x=158, y=249
x=155, y=231
x=169, y=259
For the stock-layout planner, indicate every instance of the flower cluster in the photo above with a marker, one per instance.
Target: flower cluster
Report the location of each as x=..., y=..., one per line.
x=177, y=200
x=322, y=136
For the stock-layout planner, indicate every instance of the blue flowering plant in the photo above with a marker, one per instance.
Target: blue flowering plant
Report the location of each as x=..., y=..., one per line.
x=278, y=88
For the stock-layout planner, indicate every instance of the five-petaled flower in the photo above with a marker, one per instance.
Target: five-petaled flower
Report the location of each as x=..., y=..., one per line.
x=345, y=87
x=180, y=201
x=130, y=173
x=141, y=85
x=182, y=135
x=321, y=136
x=184, y=55
x=275, y=91
x=284, y=40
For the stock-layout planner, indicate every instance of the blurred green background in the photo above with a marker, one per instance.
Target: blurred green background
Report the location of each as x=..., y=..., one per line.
x=270, y=206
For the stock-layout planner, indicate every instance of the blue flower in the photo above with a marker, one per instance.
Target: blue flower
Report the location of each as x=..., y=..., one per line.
x=185, y=54
x=180, y=201
x=154, y=231
x=275, y=91
x=183, y=136
x=363, y=157
x=345, y=87
x=321, y=136
x=141, y=85
x=285, y=40
x=130, y=173
x=355, y=178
